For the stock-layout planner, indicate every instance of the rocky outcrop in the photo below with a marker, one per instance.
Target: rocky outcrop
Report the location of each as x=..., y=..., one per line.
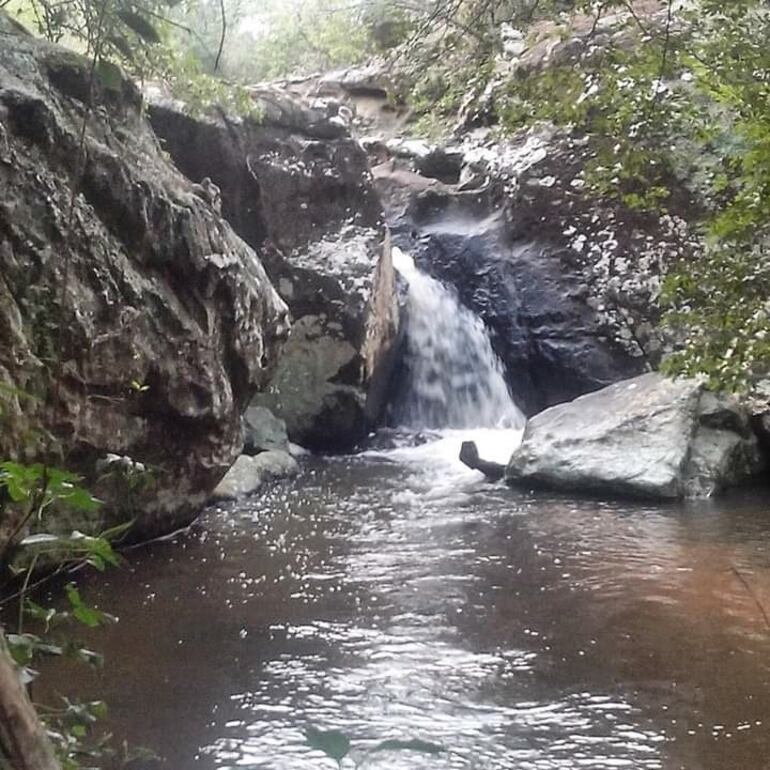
x=567, y=283
x=296, y=185
x=566, y=279
x=645, y=437
x=133, y=321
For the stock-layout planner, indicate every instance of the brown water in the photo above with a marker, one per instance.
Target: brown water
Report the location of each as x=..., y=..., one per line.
x=518, y=631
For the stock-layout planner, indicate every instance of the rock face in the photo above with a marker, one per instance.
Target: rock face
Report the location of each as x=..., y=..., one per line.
x=566, y=281
x=645, y=437
x=133, y=320
x=567, y=284
x=297, y=186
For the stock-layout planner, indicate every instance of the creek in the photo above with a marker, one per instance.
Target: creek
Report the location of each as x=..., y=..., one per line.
x=397, y=594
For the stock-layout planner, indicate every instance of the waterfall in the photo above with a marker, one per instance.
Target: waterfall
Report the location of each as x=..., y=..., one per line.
x=452, y=377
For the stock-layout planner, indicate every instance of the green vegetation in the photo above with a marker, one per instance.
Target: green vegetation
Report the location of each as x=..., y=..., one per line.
x=676, y=112
x=337, y=746
x=28, y=495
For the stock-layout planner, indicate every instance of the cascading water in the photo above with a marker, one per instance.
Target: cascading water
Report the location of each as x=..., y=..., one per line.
x=452, y=385
x=452, y=377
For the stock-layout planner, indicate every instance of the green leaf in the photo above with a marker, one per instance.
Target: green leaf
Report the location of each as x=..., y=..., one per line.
x=109, y=75
x=334, y=743
x=80, y=499
x=412, y=744
x=139, y=24
x=86, y=615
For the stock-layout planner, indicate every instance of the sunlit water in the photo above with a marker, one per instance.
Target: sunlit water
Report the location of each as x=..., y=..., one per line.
x=518, y=632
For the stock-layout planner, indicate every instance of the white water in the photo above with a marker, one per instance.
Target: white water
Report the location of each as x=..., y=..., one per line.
x=454, y=379
x=453, y=384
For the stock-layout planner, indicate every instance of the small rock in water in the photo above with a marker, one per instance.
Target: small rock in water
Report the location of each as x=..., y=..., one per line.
x=248, y=474
x=469, y=455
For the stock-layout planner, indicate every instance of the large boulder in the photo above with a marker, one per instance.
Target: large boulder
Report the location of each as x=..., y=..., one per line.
x=295, y=184
x=134, y=322
x=263, y=431
x=645, y=437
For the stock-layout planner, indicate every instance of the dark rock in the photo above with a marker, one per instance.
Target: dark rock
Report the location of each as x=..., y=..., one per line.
x=469, y=455
x=567, y=284
x=133, y=321
x=398, y=438
x=307, y=199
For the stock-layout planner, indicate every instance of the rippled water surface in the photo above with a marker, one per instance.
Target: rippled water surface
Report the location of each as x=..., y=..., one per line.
x=384, y=598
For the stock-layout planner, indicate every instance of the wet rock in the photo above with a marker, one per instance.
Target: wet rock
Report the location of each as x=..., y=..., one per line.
x=263, y=431
x=567, y=284
x=469, y=455
x=398, y=438
x=645, y=437
x=307, y=200
x=134, y=322
x=249, y=473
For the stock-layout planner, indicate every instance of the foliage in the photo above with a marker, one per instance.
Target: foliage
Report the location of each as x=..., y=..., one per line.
x=281, y=39
x=675, y=107
x=27, y=492
x=142, y=39
x=720, y=306
x=337, y=745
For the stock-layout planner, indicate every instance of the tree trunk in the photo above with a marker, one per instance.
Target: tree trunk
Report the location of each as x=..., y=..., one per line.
x=24, y=744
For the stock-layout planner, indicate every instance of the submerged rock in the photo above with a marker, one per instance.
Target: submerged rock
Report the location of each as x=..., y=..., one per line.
x=249, y=473
x=305, y=196
x=644, y=437
x=134, y=323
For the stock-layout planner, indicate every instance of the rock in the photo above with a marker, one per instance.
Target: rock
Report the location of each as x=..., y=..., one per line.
x=331, y=382
x=469, y=455
x=645, y=437
x=134, y=323
x=398, y=438
x=263, y=431
x=249, y=473
x=568, y=284
x=309, y=204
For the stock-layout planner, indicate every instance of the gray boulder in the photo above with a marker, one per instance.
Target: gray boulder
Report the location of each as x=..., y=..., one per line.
x=248, y=474
x=645, y=437
x=263, y=431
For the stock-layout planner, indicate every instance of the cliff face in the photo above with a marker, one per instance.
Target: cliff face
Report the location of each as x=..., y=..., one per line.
x=133, y=320
x=567, y=280
x=297, y=186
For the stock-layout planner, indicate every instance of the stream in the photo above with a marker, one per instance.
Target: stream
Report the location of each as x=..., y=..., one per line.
x=517, y=631
x=396, y=594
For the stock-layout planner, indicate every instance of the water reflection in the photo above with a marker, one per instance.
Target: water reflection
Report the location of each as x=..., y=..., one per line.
x=517, y=631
